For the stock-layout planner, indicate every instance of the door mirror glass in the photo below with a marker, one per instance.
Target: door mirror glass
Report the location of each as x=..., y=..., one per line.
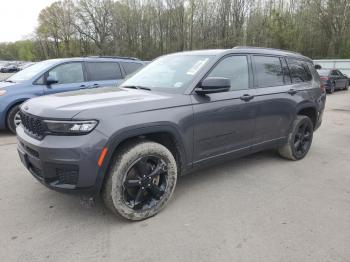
x=51, y=79
x=214, y=85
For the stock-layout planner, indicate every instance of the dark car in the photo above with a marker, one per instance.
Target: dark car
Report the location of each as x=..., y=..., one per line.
x=59, y=75
x=180, y=112
x=9, y=68
x=333, y=79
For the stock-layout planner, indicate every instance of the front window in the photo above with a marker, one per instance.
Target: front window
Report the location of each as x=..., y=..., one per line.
x=30, y=72
x=170, y=73
x=68, y=73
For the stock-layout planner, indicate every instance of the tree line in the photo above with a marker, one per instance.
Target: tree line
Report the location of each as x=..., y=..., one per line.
x=149, y=28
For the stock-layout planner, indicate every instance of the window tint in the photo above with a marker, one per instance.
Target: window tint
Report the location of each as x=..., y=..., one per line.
x=68, y=73
x=103, y=71
x=268, y=71
x=234, y=68
x=130, y=67
x=299, y=71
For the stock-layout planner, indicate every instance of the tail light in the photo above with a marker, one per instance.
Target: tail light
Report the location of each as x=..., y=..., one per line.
x=324, y=78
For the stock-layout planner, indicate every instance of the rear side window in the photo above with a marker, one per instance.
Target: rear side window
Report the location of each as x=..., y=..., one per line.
x=234, y=68
x=103, y=71
x=299, y=71
x=130, y=67
x=268, y=71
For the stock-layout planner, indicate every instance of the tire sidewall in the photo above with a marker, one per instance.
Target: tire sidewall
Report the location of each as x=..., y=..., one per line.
x=121, y=168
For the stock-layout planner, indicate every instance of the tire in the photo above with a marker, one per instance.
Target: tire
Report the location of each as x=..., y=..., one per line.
x=332, y=89
x=116, y=194
x=13, y=118
x=292, y=150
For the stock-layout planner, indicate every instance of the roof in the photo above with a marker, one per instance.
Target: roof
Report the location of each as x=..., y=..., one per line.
x=96, y=58
x=246, y=49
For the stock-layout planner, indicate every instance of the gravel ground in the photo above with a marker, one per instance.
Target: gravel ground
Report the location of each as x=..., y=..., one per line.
x=258, y=208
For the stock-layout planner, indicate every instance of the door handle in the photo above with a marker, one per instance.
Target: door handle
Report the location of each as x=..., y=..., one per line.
x=246, y=97
x=83, y=87
x=95, y=85
x=292, y=91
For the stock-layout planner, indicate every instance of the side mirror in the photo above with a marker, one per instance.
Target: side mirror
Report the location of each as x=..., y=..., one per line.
x=214, y=85
x=317, y=67
x=50, y=80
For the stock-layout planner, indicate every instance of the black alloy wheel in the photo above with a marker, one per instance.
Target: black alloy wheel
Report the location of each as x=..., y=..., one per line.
x=302, y=139
x=145, y=183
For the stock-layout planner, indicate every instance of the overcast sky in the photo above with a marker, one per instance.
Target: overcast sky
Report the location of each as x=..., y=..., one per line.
x=19, y=18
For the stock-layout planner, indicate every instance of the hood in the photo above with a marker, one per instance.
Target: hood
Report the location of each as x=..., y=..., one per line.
x=5, y=85
x=97, y=101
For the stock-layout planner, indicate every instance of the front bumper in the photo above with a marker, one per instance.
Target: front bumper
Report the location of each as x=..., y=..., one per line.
x=63, y=163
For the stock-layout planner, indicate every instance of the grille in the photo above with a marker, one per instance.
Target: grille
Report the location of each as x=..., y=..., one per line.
x=33, y=125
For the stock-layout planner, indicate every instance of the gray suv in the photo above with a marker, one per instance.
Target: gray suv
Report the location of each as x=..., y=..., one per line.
x=181, y=112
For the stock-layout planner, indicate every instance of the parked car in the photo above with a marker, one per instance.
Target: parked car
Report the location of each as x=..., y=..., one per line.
x=180, y=112
x=56, y=76
x=9, y=68
x=333, y=79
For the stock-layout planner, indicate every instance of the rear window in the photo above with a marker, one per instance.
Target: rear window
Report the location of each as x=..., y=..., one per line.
x=299, y=71
x=130, y=67
x=269, y=71
x=103, y=71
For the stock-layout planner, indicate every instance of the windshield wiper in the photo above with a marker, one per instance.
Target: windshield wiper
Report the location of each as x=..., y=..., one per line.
x=138, y=87
x=9, y=81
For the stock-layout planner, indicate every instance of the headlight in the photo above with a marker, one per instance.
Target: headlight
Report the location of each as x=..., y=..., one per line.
x=70, y=127
x=2, y=92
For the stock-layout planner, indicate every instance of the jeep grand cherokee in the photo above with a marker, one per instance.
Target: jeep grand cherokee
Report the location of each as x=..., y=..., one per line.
x=180, y=112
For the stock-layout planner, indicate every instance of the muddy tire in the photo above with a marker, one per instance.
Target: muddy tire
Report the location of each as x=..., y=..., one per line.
x=299, y=140
x=13, y=118
x=140, y=181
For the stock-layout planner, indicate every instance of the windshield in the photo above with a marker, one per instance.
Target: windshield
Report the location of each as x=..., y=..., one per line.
x=29, y=72
x=170, y=73
x=323, y=72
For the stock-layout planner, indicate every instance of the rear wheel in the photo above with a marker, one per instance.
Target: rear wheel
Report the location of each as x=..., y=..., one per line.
x=13, y=118
x=331, y=91
x=299, y=140
x=141, y=180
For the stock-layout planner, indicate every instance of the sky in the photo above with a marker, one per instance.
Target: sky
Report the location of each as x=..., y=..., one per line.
x=19, y=18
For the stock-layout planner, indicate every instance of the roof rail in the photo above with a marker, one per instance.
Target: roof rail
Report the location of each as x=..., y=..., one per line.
x=115, y=57
x=268, y=48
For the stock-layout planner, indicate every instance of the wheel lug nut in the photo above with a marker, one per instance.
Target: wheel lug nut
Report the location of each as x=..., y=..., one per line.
x=142, y=188
x=148, y=185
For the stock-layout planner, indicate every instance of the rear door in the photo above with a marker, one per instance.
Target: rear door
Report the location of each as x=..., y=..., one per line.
x=341, y=80
x=102, y=74
x=224, y=122
x=70, y=76
x=276, y=96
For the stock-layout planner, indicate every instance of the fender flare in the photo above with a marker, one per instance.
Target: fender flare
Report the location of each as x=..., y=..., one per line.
x=134, y=131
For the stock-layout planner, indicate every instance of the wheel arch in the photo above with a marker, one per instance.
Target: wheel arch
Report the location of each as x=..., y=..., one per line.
x=13, y=103
x=165, y=134
x=309, y=110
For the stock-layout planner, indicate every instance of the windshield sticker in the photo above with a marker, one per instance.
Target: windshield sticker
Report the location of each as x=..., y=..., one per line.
x=197, y=66
x=178, y=84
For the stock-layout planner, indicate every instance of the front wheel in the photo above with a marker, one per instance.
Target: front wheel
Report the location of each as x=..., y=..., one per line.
x=13, y=118
x=141, y=180
x=299, y=139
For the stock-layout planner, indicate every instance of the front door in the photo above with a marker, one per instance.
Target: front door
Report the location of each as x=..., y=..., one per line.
x=224, y=122
x=70, y=77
